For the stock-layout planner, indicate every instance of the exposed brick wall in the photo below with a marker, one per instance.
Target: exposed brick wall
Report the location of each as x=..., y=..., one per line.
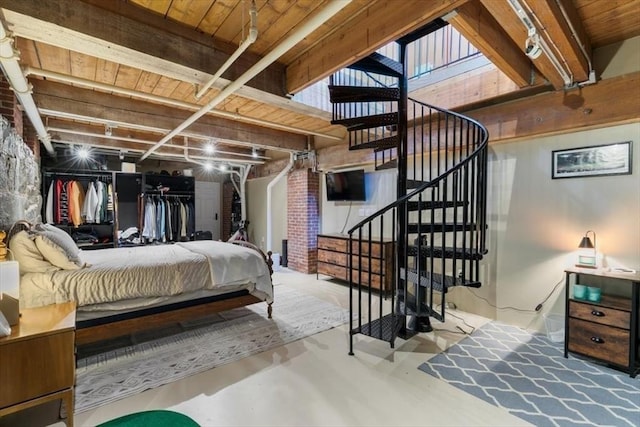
x=303, y=190
x=227, y=200
x=9, y=105
x=11, y=110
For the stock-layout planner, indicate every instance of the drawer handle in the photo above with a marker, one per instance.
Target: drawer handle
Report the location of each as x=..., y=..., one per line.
x=597, y=340
x=597, y=313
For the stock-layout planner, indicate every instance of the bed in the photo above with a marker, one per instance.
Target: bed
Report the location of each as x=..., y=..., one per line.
x=119, y=291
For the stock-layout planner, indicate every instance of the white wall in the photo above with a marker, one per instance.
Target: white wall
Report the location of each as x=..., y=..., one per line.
x=339, y=217
x=257, y=212
x=536, y=223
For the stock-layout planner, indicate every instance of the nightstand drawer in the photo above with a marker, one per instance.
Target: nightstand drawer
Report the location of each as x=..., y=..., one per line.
x=600, y=314
x=599, y=341
x=34, y=367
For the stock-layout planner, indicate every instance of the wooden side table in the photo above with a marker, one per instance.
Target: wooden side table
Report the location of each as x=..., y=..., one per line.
x=37, y=361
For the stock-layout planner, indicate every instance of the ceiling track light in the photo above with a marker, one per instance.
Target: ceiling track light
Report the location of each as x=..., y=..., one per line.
x=535, y=45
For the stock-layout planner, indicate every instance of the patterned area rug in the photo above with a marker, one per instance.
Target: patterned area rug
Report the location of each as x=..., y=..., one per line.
x=123, y=372
x=528, y=376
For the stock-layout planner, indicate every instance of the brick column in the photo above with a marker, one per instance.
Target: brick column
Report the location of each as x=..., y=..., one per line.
x=303, y=190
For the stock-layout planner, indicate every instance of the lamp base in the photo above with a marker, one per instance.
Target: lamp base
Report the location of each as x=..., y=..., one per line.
x=10, y=308
x=586, y=266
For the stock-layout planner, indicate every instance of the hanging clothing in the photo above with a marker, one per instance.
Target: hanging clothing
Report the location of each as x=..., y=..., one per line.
x=76, y=201
x=100, y=189
x=90, y=204
x=49, y=209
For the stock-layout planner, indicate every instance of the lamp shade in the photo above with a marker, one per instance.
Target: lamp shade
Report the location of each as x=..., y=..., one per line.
x=585, y=243
x=10, y=278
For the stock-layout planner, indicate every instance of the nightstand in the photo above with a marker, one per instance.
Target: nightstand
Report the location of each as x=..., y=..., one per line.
x=607, y=330
x=37, y=361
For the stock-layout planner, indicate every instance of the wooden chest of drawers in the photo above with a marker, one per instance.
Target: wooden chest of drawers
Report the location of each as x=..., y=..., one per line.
x=376, y=260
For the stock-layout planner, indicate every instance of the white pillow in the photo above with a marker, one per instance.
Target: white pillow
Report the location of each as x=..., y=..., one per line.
x=54, y=254
x=57, y=237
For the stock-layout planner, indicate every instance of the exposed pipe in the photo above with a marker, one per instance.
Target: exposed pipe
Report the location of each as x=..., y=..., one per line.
x=253, y=35
x=22, y=89
x=270, y=186
x=242, y=177
x=52, y=75
x=592, y=72
x=293, y=39
x=147, y=142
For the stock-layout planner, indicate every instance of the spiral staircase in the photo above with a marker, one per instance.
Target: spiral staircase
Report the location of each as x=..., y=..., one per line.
x=438, y=222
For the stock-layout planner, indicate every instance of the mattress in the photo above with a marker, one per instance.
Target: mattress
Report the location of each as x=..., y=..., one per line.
x=139, y=276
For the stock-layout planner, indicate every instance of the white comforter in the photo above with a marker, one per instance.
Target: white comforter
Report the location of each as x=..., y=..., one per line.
x=122, y=274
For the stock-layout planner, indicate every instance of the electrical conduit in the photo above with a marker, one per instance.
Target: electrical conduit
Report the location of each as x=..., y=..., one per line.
x=297, y=36
x=273, y=182
x=22, y=89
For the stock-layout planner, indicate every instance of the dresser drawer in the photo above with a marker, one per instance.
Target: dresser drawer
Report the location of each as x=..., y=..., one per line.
x=337, y=271
x=332, y=244
x=599, y=341
x=368, y=264
x=332, y=257
x=342, y=273
x=600, y=314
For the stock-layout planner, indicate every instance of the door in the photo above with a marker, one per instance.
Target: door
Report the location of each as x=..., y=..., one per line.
x=208, y=207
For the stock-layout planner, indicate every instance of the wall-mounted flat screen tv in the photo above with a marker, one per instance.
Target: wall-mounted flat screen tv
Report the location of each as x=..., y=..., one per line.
x=346, y=186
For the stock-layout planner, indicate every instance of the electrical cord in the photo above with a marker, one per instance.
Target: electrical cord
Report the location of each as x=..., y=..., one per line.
x=347, y=219
x=523, y=310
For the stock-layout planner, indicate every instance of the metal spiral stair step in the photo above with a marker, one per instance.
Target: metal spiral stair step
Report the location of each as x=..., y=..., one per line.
x=380, y=144
x=367, y=122
x=428, y=205
x=345, y=94
x=414, y=228
x=379, y=64
x=439, y=282
x=385, y=328
x=446, y=252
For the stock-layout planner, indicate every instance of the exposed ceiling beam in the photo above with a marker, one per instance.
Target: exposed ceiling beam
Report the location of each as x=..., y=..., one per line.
x=77, y=81
x=85, y=28
x=109, y=108
x=388, y=20
x=563, y=111
x=560, y=32
x=475, y=23
x=505, y=15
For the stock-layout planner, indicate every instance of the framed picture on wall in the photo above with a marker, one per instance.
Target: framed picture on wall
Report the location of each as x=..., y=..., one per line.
x=597, y=160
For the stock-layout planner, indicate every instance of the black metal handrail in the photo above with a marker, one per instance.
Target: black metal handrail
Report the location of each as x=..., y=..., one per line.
x=460, y=188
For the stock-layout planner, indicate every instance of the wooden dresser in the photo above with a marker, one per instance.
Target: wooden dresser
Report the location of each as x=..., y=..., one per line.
x=333, y=257
x=38, y=359
x=606, y=330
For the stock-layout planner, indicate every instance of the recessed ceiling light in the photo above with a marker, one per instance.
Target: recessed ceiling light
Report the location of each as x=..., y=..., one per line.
x=210, y=148
x=83, y=153
x=208, y=166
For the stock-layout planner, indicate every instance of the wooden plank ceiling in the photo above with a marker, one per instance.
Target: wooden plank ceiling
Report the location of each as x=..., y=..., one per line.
x=135, y=66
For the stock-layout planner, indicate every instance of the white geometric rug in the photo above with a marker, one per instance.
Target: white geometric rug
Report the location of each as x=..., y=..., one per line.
x=120, y=373
x=527, y=375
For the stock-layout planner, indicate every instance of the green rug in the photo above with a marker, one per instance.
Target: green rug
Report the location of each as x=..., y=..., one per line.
x=152, y=418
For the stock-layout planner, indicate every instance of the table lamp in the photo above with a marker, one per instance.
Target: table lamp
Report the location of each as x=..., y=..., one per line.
x=10, y=291
x=588, y=252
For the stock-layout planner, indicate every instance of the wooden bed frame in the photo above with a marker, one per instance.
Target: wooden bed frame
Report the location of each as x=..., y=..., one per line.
x=90, y=331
